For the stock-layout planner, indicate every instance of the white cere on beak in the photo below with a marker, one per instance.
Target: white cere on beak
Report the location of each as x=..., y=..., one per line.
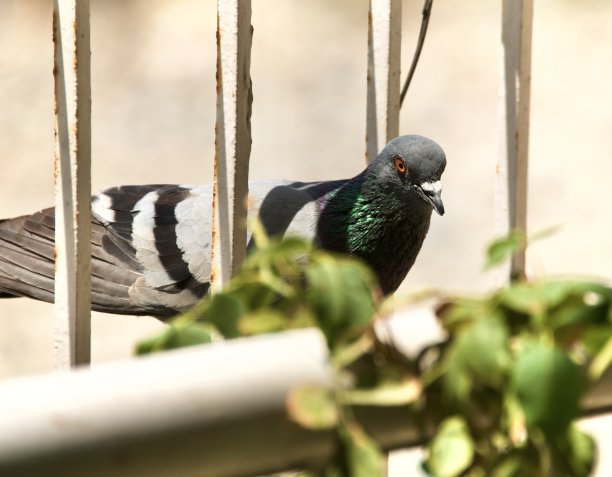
x=432, y=186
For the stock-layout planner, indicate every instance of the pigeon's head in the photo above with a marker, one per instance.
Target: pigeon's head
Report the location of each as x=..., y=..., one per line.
x=415, y=165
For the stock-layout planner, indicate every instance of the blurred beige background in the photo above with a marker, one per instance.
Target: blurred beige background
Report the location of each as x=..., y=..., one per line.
x=153, y=69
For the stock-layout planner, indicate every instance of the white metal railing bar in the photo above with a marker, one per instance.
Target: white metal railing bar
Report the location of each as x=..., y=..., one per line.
x=214, y=410
x=232, y=138
x=515, y=92
x=383, y=77
x=384, y=62
x=72, y=182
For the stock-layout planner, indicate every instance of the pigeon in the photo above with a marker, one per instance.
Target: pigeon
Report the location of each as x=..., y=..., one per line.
x=151, y=244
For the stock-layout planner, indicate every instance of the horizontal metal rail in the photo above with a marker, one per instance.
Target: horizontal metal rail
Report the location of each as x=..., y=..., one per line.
x=216, y=410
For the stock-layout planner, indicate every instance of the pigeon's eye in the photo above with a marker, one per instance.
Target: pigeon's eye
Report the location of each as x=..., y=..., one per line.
x=400, y=165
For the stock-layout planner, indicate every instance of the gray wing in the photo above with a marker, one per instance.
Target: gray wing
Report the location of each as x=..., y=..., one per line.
x=27, y=263
x=151, y=245
x=150, y=250
x=163, y=233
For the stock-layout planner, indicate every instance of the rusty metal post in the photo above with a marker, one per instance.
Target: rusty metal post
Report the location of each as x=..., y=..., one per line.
x=72, y=182
x=232, y=138
x=515, y=92
x=384, y=62
x=384, y=68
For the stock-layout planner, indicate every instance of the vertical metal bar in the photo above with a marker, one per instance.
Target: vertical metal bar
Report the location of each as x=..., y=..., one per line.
x=384, y=68
x=72, y=182
x=515, y=91
x=384, y=62
x=232, y=138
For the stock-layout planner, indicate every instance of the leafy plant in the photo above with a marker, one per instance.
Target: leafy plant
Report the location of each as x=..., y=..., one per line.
x=288, y=284
x=515, y=367
x=498, y=397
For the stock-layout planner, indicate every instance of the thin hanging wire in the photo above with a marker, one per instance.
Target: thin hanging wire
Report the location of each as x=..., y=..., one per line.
x=415, y=59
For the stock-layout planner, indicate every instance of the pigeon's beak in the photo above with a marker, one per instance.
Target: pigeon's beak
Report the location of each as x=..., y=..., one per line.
x=432, y=193
x=436, y=201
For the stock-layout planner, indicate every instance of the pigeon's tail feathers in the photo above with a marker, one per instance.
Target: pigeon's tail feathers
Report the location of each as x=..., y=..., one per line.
x=27, y=264
x=150, y=249
x=26, y=260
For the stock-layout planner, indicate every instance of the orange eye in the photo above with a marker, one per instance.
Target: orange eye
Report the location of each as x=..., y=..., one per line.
x=400, y=165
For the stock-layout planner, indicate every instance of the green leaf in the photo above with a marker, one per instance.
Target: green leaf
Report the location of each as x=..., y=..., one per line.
x=263, y=321
x=278, y=254
x=573, y=453
x=544, y=233
x=255, y=292
x=176, y=336
x=548, y=385
x=345, y=354
x=518, y=463
x=582, y=452
x=575, y=312
x=461, y=311
x=573, y=317
x=482, y=351
x=363, y=456
x=223, y=310
x=602, y=361
x=153, y=344
x=398, y=393
x=451, y=452
x=595, y=338
x=553, y=292
x=502, y=249
x=509, y=466
x=586, y=287
x=302, y=317
x=458, y=382
x=312, y=407
x=535, y=298
x=478, y=356
x=193, y=334
x=340, y=293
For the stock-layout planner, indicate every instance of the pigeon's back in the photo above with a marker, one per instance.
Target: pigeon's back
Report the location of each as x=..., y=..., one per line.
x=151, y=244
